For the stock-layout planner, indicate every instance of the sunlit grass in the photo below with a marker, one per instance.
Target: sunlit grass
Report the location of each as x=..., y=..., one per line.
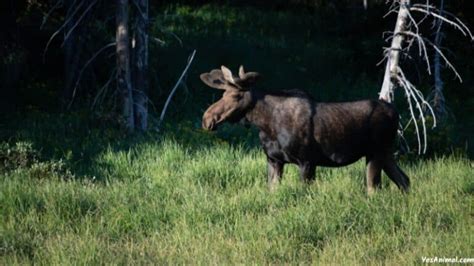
x=163, y=202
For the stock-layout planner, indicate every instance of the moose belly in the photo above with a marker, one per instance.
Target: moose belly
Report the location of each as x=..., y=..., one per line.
x=342, y=152
x=337, y=159
x=287, y=149
x=298, y=154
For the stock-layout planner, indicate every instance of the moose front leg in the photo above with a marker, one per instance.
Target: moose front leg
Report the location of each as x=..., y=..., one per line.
x=307, y=172
x=275, y=171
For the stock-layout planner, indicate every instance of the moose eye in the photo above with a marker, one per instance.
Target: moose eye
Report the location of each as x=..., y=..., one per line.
x=237, y=96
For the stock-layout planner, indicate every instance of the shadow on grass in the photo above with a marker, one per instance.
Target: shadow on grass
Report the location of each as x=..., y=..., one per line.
x=80, y=141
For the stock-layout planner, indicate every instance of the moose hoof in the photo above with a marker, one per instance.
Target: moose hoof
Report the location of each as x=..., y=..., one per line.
x=371, y=191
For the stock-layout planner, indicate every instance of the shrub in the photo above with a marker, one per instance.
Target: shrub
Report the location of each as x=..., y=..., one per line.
x=19, y=155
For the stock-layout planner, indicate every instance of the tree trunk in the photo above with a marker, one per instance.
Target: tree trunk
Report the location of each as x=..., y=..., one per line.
x=140, y=66
x=391, y=69
x=438, y=97
x=124, y=85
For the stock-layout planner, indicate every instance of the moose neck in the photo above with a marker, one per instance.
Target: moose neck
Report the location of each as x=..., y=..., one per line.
x=261, y=111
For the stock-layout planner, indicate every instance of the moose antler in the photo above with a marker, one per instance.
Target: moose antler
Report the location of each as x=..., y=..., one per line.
x=241, y=72
x=243, y=80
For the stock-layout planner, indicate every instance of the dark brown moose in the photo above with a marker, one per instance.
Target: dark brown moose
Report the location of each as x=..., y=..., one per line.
x=296, y=129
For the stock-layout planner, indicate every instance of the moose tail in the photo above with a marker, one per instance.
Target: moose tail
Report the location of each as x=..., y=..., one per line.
x=397, y=175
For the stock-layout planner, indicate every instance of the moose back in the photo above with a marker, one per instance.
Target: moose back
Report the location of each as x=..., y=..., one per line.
x=296, y=129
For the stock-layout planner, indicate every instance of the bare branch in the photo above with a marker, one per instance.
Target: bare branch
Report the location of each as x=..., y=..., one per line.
x=85, y=66
x=414, y=22
x=157, y=40
x=78, y=21
x=162, y=116
x=442, y=12
x=415, y=97
x=175, y=36
x=402, y=137
x=406, y=33
x=140, y=11
x=393, y=10
x=422, y=47
x=459, y=25
x=444, y=58
x=103, y=90
x=46, y=17
x=60, y=29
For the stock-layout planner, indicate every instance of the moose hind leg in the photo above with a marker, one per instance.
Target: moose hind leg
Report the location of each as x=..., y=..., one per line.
x=307, y=171
x=374, y=173
x=396, y=174
x=275, y=171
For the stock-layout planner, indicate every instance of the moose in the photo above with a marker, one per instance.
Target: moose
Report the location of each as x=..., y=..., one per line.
x=296, y=129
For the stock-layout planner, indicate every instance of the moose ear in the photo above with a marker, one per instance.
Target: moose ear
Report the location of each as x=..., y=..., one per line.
x=214, y=79
x=227, y=74
x=249, y=79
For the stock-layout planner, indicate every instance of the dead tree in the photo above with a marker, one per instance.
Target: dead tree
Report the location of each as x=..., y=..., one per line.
x=437, y=95
x=131, y=71
x=140, y=65
x=132, y=54
x=391, y=69
x=405, y=36
x=124, y=84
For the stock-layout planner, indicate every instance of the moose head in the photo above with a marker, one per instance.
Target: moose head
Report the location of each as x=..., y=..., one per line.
x=237, y=98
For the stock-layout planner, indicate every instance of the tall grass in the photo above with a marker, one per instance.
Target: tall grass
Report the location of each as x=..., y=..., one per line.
x=206, y=201
x=74, y=191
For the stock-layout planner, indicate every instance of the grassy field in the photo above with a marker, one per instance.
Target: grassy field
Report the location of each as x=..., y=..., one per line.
x=76, y=191
x=198, y=199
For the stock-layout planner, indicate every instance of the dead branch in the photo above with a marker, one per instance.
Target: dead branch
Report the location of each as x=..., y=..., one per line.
x=174, y=36
x=163, y=112
x=438, y=50
x=85, y=66
x=415, y=97
x=422, y=47
x=159, y=41
x=407, y=32
x=67, y=20
x=442, y=12
x=421, y=41
x=140, y=11
x=46, y=17
x=78, y=21
x=459, y=25
x=103, y=91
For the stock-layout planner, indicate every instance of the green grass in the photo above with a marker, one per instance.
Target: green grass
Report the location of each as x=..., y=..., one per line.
x=83, y=193
x=196, y=199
